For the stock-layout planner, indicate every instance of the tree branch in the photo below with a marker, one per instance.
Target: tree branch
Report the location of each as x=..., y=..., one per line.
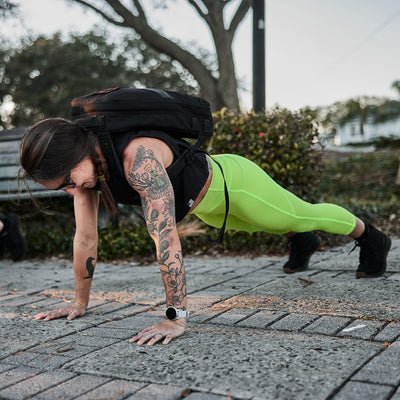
x=198, y=9
x=123, y=11
x=101, y=13
x=239, y=15
x=220, y=91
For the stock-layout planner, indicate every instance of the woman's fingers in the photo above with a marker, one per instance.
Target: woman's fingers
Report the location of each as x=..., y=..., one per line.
x=167, y=330
x=167, y=339
x=154, y=339
x=48, y=315
x=72, y=311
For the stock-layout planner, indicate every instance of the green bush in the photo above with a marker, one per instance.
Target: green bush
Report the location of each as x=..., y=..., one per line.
x=125, y=241
x=284, y=143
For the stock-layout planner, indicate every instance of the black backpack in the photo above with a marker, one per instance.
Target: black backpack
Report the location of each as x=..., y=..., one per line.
x=121, y=110
x=118, y=110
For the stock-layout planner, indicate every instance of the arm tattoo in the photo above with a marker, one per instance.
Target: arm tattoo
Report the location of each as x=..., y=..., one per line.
x=149, y=178
x=90, y=268
x=148, y=175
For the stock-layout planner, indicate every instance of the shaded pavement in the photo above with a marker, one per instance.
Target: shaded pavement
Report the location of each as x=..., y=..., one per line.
x=254, y=332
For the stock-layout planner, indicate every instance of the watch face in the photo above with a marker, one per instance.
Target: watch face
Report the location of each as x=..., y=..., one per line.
x=171, y=313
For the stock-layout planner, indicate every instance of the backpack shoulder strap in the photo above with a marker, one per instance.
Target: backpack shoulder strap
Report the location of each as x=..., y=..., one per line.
x=108, y=149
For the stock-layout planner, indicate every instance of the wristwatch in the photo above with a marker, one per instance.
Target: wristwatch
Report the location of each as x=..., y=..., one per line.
x=173, y=313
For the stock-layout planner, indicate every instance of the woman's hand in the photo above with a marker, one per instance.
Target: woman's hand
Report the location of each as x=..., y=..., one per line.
x=167, y=330
x=71, y=311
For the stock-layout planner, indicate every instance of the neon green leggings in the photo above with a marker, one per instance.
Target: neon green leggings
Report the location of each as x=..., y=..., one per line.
x=257, y=203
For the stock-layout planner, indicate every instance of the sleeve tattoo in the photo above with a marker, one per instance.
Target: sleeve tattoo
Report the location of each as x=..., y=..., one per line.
x=149, y=178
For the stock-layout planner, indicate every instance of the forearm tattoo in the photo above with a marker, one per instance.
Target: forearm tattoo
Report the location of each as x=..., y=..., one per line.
x=149, y=178
x=90, y=268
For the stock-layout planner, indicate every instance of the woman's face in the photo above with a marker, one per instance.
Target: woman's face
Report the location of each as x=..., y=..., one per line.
x=83, y=176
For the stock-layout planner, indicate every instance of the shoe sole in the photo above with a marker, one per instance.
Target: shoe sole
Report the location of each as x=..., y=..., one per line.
x=365, y=275
x=288, y=270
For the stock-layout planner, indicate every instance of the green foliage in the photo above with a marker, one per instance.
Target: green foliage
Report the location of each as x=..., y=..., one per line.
x=382, y=142
x=284, y=143
x=46, y=234
x=125, y=241
x=387, y=111
x=364, y=183
x=387, y=142
x=359, y=177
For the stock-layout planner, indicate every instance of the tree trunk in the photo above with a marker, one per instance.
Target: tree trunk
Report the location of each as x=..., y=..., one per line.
x=221, y=90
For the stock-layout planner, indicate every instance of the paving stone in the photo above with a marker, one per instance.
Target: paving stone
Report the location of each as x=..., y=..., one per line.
x=382, y=369
x=11, y=345
x=204, y=396
x=72, y=388
x=341, y=296
x=135, y=323
x=362, y=329
x=8, y=297
x=126, y=312
x=14, y=375
x=89, y=340
x=274, y=364
x=389, y=333
x=46, y=302
x=31, y=333
x=231, y=317
x=204, y=315
x=103, y=332
x=22, y=301
x=262, y=319
x=35, y=384
x=363, y=391
x=28, y=328
x=106, y=308
x=159, y=392
x=4, y=368
x=396, y=395
x=67, y=348
x=115, y=389
x=327, y=325
x=36, y=360
x=293, y=322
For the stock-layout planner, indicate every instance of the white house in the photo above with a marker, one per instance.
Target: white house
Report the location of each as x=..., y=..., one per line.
x=350, y=132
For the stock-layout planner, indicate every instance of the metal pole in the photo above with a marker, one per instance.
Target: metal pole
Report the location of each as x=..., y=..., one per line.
x=258, y=55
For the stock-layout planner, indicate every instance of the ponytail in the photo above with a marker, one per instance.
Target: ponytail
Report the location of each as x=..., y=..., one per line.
x=106, y=196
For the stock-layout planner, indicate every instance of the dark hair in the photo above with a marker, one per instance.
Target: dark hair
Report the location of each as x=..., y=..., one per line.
x=53, y=147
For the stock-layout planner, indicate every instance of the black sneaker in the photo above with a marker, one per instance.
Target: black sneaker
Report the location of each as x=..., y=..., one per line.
x=12, y=238
x=302, y=246
x=374, y=248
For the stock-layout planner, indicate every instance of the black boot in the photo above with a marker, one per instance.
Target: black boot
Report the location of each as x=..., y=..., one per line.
x=374, y=248
x=11, y=236
x=302, y=246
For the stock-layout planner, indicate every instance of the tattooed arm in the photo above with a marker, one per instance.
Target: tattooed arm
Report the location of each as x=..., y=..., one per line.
x=147, y=175
x=86, y=204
